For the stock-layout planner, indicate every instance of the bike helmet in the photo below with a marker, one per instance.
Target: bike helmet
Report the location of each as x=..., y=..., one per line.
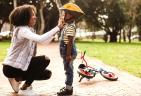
x=72, y=8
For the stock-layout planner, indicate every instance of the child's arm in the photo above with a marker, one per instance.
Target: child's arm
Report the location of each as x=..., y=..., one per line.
x=69, y=48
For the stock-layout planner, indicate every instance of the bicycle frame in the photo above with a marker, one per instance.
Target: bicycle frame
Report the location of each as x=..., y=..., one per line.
x=89, y=72
x=83, y=60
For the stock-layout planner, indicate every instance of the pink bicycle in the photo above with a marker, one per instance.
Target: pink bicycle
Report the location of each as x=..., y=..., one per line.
x=89, y=72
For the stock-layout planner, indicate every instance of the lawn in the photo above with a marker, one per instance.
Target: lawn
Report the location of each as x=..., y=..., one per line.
x=3, y=49
x=124, y=56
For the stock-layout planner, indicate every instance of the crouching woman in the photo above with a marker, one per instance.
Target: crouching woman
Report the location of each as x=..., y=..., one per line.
x=21, y=63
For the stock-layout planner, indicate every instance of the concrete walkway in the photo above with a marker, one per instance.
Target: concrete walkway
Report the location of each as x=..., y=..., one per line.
x=127, y=85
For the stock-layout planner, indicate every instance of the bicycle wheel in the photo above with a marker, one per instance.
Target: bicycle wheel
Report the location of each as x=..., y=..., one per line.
x=82, y=66
x=85, y=73
x=109, y=75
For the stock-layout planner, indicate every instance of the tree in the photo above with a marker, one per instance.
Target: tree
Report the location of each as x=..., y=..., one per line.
x=15, y=3
x=64, y=1
x=5, y=8
x=115, y=21
x=138, y=18
x=103, y=14
x=130, y=12
x=51, y=15
x=40, y=4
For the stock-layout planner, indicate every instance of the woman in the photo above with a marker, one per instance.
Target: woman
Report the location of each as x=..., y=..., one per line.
x=21, y=62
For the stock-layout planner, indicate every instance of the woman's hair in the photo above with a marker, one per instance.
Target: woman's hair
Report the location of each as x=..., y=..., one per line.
x=21, y=15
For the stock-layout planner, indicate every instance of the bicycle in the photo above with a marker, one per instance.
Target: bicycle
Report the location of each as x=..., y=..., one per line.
x=89, y=72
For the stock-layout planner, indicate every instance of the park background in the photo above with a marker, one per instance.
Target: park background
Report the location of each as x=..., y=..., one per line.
x=110, y=30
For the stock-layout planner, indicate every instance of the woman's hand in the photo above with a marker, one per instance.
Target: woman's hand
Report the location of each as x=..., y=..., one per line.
x=61, y=23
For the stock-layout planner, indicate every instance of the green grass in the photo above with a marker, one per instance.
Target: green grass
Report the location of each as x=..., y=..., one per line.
x=3, y=49
x=124, y=56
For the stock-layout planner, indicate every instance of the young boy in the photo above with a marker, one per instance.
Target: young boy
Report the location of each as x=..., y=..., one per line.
x=67, y=44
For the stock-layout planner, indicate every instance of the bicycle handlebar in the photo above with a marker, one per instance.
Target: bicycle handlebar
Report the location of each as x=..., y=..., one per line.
x=83, y=59
x=84, y=53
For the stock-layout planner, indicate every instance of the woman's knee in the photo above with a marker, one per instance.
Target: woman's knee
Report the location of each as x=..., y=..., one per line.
x=47, y=60
x=11, y=72
x=48, y=73
x=5, y=71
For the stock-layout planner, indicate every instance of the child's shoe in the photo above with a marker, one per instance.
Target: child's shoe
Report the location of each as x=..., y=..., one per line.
x=64, y=92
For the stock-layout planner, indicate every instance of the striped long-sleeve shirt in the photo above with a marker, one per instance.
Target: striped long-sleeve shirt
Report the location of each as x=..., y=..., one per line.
x=69, y=30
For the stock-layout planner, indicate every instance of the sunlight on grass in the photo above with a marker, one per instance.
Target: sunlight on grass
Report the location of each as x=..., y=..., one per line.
x=3, y=49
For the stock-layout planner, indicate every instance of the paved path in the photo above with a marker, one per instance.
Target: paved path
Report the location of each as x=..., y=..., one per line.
x=127, y=85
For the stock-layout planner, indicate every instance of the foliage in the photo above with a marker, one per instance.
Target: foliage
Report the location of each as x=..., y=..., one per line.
x=64, y=1
x=103, y=14
x=113, y=16
x=51, y=13
x=138, y=19
x=5, y=5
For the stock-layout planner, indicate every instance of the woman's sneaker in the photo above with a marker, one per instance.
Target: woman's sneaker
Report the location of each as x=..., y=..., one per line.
x=14, y=84
x=65, y=92
x=27, y=90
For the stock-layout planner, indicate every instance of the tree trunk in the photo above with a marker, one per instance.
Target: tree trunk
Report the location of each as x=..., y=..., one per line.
x=42, y=26
x=120, y=36
x=113, y=37
x=105, y=38
x=140, y=33
x=129, y=33
x=124, y=36
x=1, y=24
x=15, y=3
x=58, y=2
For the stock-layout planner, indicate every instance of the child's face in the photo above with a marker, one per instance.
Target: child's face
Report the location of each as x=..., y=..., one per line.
x=66, y=16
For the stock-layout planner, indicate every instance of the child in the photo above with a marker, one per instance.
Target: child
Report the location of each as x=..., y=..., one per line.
x=67, y=45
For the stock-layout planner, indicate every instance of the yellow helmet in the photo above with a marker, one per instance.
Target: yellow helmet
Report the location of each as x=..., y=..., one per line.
x=72, y=8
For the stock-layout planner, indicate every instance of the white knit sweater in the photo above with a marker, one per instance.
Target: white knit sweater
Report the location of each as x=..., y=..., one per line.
x=23, y=46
